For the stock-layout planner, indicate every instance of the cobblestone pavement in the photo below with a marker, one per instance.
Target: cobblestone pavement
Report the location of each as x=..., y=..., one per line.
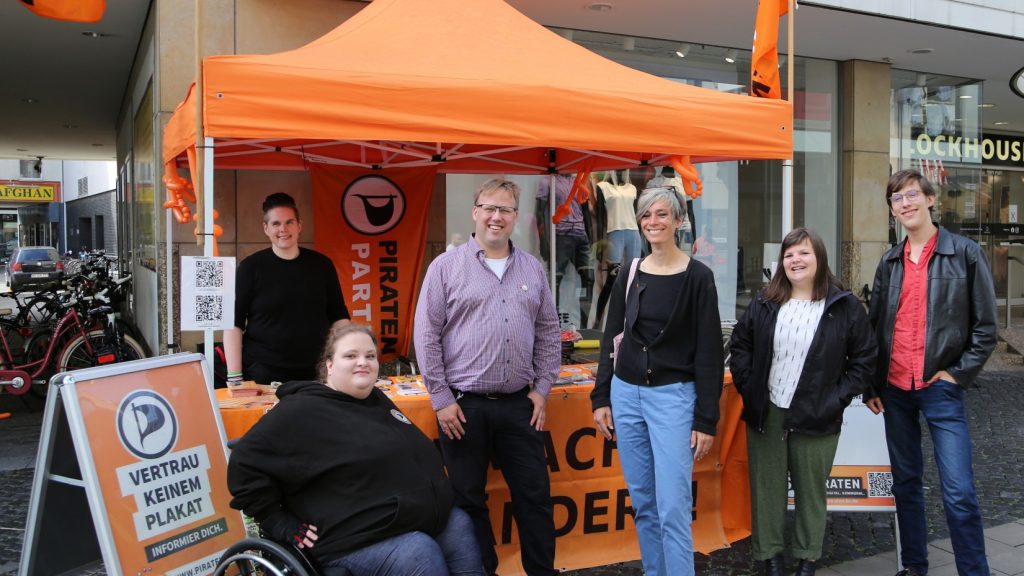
x=996, y=413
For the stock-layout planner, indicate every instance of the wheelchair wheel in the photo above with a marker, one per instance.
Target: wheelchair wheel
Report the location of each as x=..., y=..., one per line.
x=259, y=556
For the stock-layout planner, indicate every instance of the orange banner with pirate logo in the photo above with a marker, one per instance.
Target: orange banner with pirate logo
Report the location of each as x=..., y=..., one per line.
x=373, y=225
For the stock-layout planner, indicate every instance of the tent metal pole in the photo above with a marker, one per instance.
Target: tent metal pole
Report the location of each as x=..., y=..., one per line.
x=169, y=256
x=787, y=164
x=552, y=206
x=207, y=231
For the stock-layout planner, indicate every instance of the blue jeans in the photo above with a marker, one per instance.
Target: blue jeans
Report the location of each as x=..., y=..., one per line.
x=625, y=245
x=453, y=552
x=942, y=405
x=652, y=431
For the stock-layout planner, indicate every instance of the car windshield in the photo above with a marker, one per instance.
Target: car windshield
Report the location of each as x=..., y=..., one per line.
x=34, y=255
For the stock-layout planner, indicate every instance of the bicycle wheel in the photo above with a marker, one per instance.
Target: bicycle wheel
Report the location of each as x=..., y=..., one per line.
x=77, y=355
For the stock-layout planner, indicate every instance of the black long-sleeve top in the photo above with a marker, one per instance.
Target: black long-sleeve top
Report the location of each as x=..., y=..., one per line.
x=688, y=348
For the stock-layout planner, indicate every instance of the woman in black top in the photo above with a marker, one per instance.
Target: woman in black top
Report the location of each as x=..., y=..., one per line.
x=666, y=384
x=336, y=468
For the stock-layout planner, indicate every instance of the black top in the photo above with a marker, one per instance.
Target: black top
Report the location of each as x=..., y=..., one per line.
x=285, y=308
x=688, y=348
x=358, y=470
x=651, y=320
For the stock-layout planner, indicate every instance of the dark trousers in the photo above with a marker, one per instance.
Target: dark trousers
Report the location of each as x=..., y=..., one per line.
x=500, y=429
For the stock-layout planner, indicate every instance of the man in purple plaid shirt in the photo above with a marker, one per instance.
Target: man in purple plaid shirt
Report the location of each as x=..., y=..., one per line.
x=487, y=341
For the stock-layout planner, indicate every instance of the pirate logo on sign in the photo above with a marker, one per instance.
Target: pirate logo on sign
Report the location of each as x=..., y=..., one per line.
x=373, y=205
x=146, y=424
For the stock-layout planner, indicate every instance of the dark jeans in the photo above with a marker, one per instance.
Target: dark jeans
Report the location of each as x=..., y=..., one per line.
x=942, y=405
x=500, y=428
x=453, y=552
x=574, y=250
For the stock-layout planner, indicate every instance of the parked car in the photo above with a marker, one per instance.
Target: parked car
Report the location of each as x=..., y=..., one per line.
x=34, y=266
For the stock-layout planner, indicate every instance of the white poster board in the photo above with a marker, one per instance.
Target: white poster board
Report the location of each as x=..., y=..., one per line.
x=207, y=292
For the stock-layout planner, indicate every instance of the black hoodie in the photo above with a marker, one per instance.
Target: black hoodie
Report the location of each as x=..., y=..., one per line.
x=359, y=470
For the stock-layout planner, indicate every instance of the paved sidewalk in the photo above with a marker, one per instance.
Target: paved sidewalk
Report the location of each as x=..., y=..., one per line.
x=1004, y=545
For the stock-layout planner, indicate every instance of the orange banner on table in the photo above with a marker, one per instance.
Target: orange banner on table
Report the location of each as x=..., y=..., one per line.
x=374, y=228
x=764, y=62
x=160, y=464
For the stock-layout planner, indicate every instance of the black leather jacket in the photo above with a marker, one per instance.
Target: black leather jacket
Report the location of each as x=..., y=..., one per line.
x=838, y=367
x=961, y=322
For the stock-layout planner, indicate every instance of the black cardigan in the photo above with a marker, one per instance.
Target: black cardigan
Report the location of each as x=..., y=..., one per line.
x=688, y=349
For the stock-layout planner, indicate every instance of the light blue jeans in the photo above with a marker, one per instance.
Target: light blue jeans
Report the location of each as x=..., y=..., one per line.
x=625, y=245
x=652, y=430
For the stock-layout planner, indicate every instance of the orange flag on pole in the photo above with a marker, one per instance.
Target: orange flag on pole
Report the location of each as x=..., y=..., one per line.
x=69, y=10
x=764, y=63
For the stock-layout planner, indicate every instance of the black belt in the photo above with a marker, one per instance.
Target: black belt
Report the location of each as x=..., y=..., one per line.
x=491, y=395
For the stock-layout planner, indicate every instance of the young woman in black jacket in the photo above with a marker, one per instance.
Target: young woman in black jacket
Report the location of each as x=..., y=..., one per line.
x=336, y=468
x=802, y=351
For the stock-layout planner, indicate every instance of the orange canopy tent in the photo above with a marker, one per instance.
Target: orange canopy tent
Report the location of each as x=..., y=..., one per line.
x=475, y=87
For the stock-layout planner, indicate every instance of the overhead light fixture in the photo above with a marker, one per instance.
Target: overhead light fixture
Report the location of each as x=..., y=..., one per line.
x=683, y=50
x=921, y=80
x=94, y=35
x=966, y=96
x=921, y=51
x=30, y=100
x=22, y=149
x=628, y=43
x=730, y=55
x=1000, y=123
x=599, y=6
x=987, y=105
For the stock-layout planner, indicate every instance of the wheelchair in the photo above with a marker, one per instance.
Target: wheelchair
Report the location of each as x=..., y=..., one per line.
x=265, y=557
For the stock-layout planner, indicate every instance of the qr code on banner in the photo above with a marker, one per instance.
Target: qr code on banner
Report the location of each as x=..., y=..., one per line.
x=209, y=274
x=209, y=308
x=879, y=484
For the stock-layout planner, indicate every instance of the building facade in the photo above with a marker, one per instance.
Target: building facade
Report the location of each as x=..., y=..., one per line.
x=877, y=87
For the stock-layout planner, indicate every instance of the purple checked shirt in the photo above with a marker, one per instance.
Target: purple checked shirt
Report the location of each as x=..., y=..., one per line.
x=478, y=334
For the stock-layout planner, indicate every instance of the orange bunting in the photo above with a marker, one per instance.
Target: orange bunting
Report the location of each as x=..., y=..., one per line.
x=764, y=62
x=68, y=10
x=580, y=191
x=179, y=193
x=692, y=184
x=218, y=231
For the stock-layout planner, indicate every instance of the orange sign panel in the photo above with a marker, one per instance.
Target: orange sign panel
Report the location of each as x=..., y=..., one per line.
x=160, y=466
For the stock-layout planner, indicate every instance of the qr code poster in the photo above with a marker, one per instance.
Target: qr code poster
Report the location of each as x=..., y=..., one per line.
x=207, y=293
x=861, y=478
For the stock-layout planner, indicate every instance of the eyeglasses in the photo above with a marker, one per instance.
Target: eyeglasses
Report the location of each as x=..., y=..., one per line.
x=909, y=196
x=490, y=209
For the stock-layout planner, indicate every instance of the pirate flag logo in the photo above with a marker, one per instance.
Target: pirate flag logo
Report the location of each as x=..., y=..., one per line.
x=146, y=424
x=373, y=205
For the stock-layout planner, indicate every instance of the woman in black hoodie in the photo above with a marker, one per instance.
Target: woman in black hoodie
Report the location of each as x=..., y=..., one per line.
x=800, y=354
x=337, y=468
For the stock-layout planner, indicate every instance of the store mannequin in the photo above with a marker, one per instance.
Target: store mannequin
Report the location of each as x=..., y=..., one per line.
x=572, y=238
x=616, y=213
x=616, y=223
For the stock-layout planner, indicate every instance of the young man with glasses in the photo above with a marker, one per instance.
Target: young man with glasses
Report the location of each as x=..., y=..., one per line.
x=487, y=341
x=933, y=309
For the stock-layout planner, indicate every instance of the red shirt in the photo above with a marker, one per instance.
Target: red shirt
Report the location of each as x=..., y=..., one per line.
x=908, y=336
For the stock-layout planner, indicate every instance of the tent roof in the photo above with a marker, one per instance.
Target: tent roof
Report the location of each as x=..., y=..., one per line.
x=474, y=85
